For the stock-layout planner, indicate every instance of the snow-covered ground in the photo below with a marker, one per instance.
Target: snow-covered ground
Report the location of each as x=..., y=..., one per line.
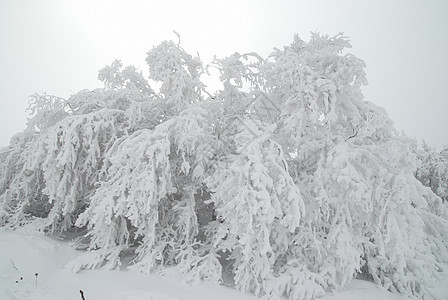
x=24, y=254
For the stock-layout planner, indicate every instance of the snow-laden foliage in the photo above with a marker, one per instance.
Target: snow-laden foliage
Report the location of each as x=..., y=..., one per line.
x=377, y=216
x=257, y=206
x=432, y=169
x=284, y=182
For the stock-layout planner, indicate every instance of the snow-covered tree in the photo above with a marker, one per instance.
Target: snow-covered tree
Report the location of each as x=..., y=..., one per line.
x=22, y=181
x=284, y=182
x=432, y=169
x=257, y=207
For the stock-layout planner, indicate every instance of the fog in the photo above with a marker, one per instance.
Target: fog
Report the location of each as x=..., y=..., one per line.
x=58, y=47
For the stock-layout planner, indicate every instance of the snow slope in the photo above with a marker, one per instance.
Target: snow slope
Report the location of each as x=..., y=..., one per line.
x=23, y=254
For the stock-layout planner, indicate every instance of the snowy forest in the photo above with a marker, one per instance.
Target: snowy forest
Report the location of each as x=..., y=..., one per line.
x=283, y=181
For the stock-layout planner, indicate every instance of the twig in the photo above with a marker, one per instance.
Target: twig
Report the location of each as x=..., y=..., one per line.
x=178, y=36
x=14, y=265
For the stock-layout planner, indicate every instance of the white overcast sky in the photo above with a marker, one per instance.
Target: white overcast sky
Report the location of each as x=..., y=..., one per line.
x=58, y=46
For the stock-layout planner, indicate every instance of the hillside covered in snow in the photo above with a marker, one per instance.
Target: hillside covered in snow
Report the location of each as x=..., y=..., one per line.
x=23, y=254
